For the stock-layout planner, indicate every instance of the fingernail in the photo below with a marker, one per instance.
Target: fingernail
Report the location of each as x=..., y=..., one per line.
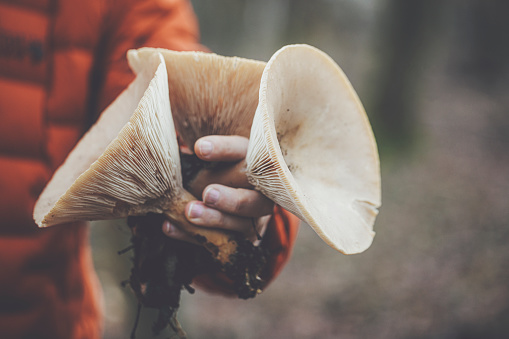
x=195, y=211
x=168, y=228
x=205, y=147
x=211, y=196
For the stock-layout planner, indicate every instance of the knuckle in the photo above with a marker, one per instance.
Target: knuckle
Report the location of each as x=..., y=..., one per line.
x=240, y=203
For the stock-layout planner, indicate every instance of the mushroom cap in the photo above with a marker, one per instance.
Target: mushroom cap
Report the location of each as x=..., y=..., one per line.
x=312, y=149
x=126, y=163
x=209, y=94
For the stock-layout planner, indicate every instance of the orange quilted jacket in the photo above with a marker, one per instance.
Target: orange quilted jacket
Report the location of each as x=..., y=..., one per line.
x=61, y=62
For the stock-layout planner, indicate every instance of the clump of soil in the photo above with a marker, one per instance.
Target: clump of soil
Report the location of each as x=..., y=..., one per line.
x=163, y=267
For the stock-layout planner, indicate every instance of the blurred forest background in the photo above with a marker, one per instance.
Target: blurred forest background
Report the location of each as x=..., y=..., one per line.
x=434, y=78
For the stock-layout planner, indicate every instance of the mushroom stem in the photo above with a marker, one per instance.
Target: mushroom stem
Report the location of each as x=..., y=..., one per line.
x=220, y=244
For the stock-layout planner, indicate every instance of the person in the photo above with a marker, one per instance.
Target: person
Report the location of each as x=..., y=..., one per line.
x=61, y=63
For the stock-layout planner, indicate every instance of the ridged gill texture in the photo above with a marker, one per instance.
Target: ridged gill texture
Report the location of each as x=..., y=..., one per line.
x=312, y=150
x=136, y=164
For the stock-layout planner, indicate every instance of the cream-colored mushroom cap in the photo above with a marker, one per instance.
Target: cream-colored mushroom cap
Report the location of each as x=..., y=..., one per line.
x=312, y=149
x=127, y=164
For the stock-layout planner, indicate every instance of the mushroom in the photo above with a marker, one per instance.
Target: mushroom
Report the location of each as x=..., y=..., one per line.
x=128, y=164
x=312, y=150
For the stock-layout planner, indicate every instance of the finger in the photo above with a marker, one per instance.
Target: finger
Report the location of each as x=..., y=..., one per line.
x=233, y=176
x=237, y=201
x=221, y=148
x=174, y=232
x=199, y=214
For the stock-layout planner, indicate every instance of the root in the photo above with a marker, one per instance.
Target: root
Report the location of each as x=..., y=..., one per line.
x=162, y=267
x=136, y=320
x=125, y=250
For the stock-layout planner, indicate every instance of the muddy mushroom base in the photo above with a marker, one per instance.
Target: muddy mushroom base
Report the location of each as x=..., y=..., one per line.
x=162, y=267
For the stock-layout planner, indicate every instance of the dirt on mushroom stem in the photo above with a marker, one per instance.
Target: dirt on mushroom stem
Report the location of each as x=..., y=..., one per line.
x=163, y=266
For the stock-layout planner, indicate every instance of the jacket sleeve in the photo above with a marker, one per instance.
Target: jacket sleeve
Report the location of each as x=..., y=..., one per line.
x=133, y=24
x=171, y=24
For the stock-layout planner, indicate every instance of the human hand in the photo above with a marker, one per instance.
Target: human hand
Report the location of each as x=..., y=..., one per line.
x=229, y=202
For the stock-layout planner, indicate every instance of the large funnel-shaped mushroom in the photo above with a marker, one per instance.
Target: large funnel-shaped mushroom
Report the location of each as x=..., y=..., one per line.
x=312, y=150
x=127, y=164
